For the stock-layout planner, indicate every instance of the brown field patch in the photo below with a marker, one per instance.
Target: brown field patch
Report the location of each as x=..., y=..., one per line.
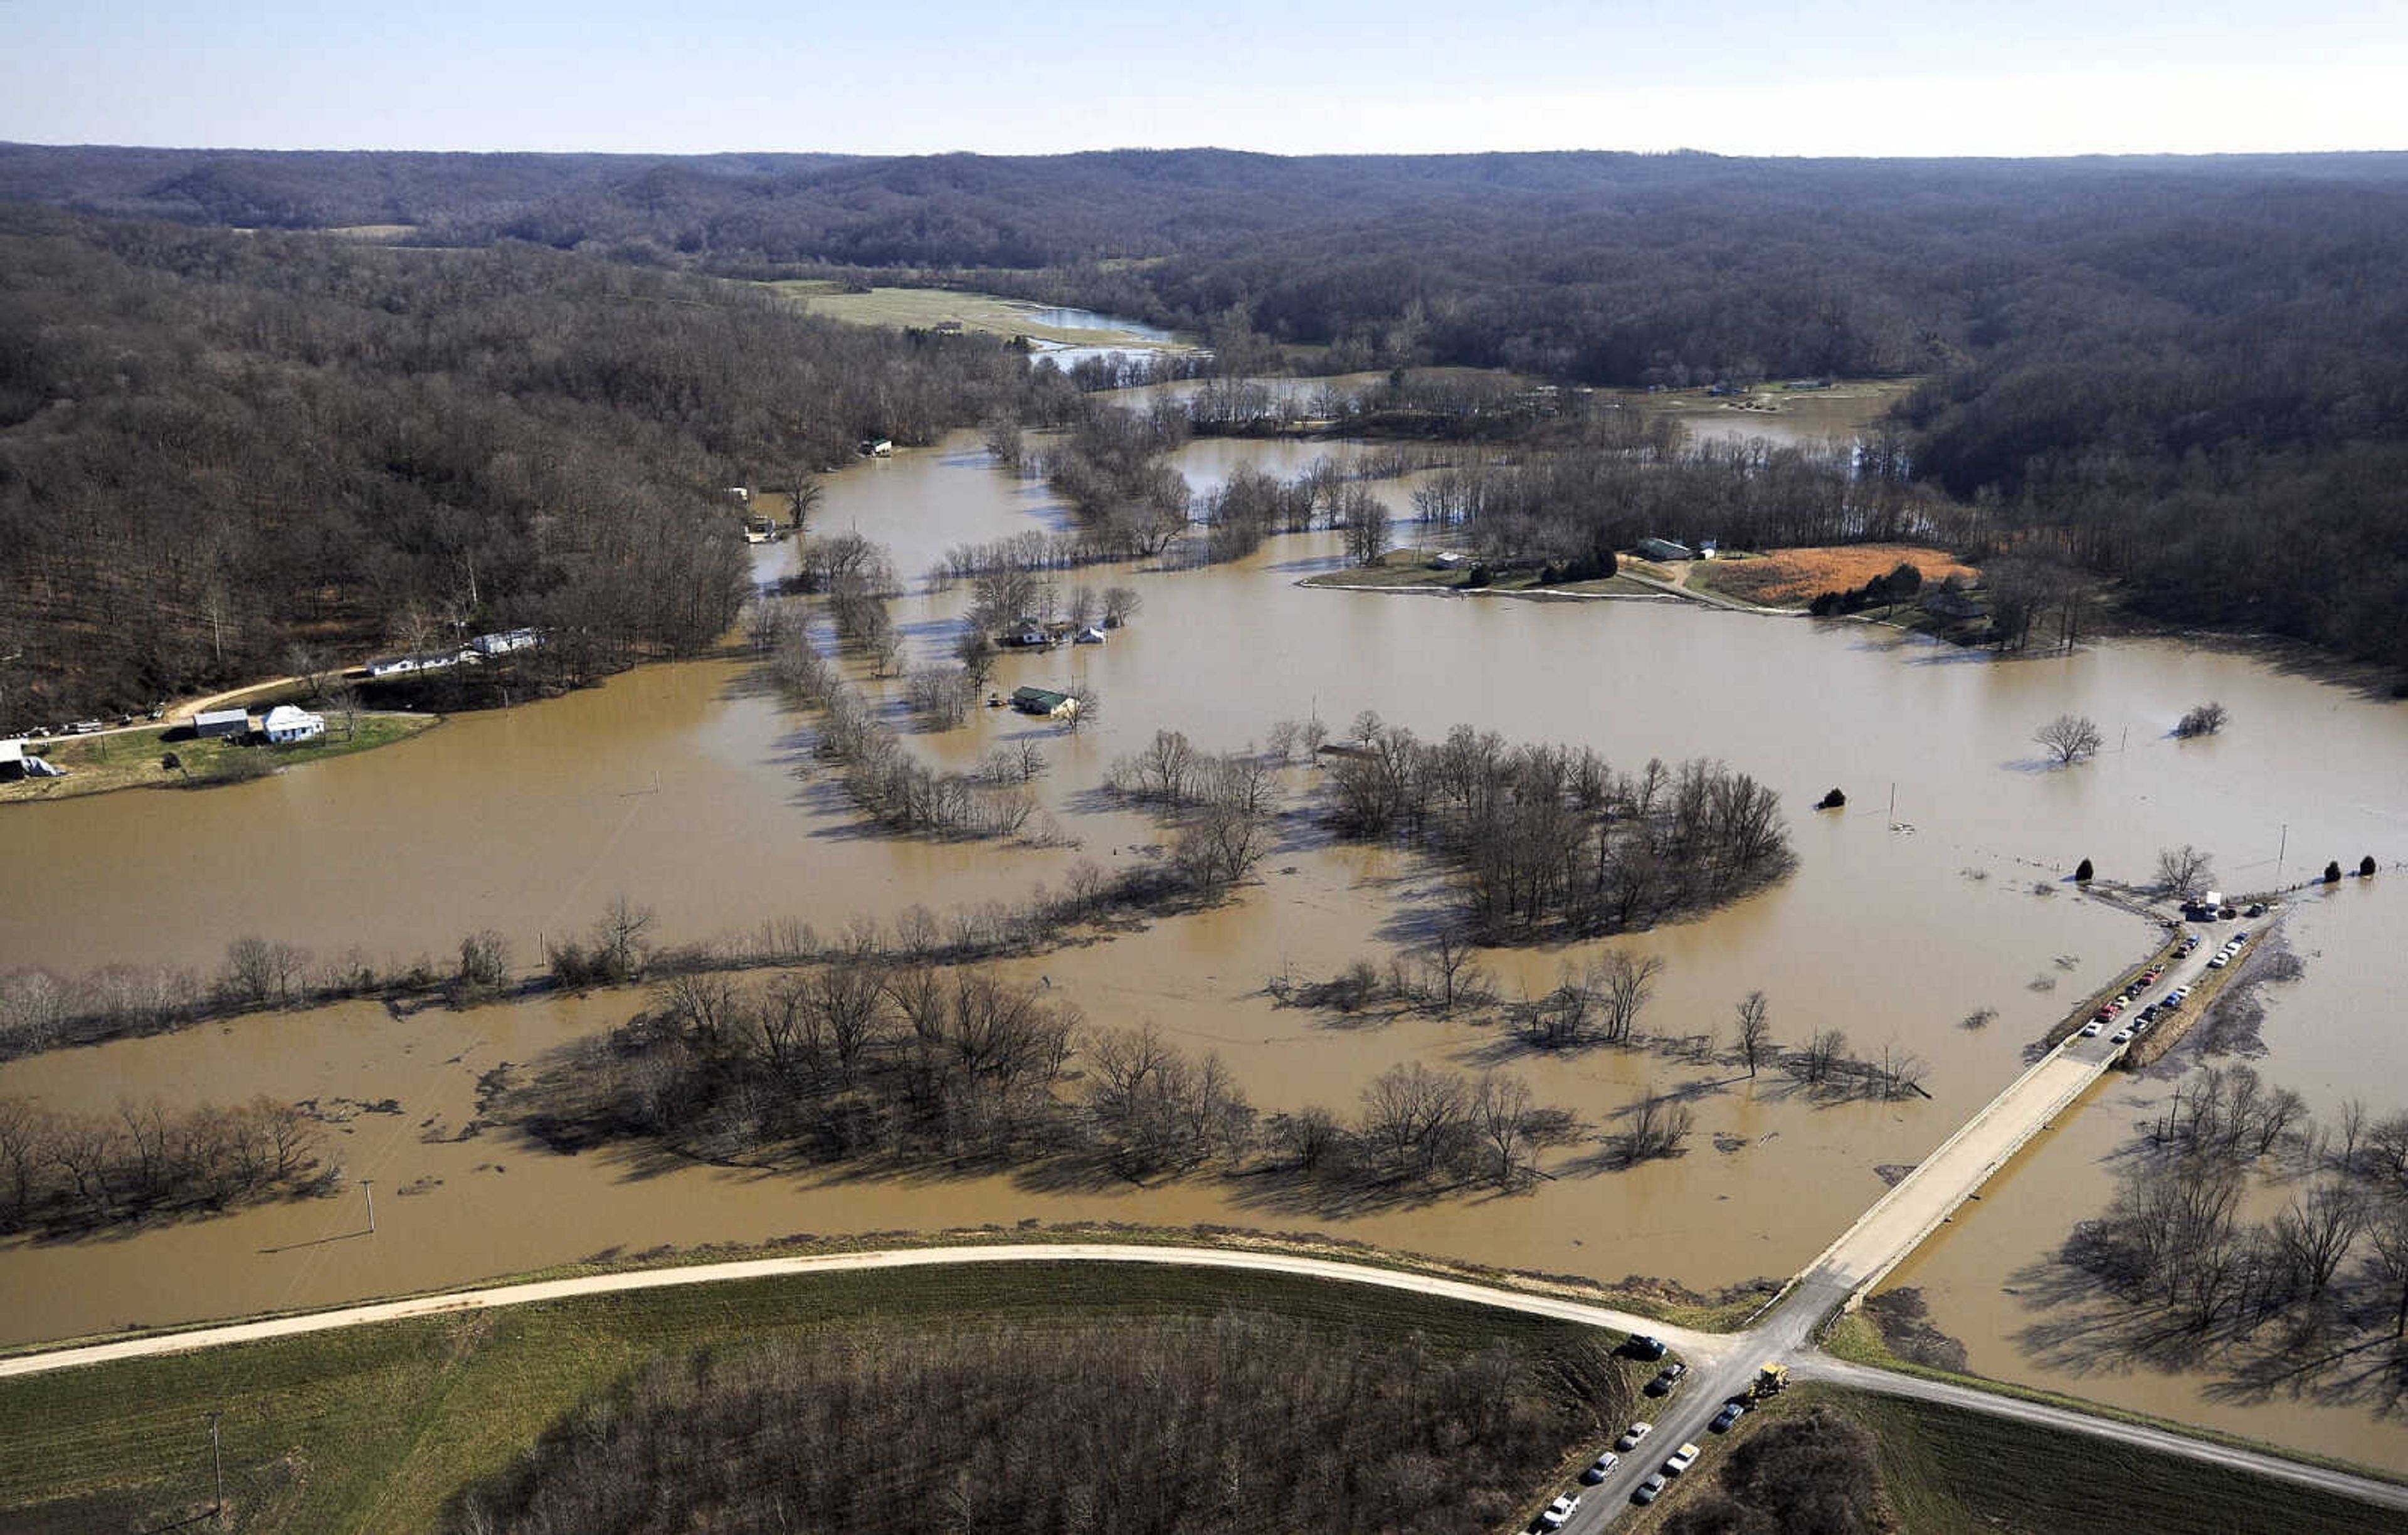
x=1794, y=576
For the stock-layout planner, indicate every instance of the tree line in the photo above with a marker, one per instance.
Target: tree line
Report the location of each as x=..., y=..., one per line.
x=214, y=446
x=893, y=1062
x=1149, y=1426
x=63, y=1173
x=1550, y=840
x=2179, y=1245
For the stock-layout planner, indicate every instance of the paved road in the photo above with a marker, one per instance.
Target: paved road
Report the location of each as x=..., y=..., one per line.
x=1699, y=1345
x=1720, y=1365
x=1878, y=1241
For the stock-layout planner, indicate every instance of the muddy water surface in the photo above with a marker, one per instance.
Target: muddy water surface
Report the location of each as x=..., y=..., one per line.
x=676, y=785
x=1987, y=1279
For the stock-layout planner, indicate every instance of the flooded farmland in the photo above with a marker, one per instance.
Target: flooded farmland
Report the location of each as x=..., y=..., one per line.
x=677, y=785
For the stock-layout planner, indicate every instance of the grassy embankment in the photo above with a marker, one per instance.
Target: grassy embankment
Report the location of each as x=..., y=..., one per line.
x=1947, y=1470
x=130, y=759
x=1408, y=568
x=372, y=1427
x=1856, y=1337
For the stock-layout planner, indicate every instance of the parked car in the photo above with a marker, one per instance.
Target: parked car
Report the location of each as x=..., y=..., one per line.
x=2090, y=1031
x=2257, y=909
x=1667, y=1378
x=1641, y=1346
x=1683, y=1458
x=1601, y=1467
x=1732, y=1411
x=1554, y=1514
x=2223, y=958
x=2122, y=1036
x=1648, y=1490
x=1632, y=1435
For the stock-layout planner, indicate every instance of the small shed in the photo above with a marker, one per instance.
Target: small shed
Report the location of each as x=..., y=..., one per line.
x=286, y=724
x=877, y=447
x=1663, y=549
x=218, y=723
x=1045, y=703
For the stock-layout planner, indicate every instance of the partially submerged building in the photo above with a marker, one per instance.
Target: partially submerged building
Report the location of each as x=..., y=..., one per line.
x=1045, y=703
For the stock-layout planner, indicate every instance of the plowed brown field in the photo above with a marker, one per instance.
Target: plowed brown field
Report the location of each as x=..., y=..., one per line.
x=1794, y=576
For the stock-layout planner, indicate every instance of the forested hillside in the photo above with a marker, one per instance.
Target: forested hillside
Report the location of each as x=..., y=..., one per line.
x=2187, y=374
x=215, y=445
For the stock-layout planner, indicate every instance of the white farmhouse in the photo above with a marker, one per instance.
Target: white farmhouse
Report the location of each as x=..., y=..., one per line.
x=286, y=724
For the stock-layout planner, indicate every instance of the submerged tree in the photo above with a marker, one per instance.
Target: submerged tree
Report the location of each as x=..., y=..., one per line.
x=2071, y=736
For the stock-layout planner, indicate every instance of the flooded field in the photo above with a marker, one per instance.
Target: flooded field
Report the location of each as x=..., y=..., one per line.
x=1985, y=1278
x=676, y=785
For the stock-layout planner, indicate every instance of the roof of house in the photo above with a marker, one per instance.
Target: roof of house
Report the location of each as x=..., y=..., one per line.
x=1040, y=698
x=224, y=716
x=285, y=715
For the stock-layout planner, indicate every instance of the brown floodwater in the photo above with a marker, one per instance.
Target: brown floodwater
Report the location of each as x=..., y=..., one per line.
x=2332, y=1035
x=676, y=785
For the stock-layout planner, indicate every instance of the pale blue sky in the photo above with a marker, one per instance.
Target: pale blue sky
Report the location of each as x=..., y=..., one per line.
x=1871, y=76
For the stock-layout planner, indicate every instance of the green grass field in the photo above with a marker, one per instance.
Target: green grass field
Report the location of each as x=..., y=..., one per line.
x=131, y=759
x=1945, y=1469
x=372, y=1429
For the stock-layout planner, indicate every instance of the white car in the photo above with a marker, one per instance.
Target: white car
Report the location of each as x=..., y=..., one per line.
x=1601, y=1467
x=2122, y=1036
x=1683, y=1458
x=1559, y=1510
x=2090, y=1029
x=2223, y=958
x=1632, y=1435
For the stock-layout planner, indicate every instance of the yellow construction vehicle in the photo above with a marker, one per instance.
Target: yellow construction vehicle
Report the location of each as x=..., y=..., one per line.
x=1769, y=1382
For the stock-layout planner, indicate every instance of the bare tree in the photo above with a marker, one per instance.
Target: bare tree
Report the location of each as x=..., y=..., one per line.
x=1820, y=1057
x=1121, y=604
x=1624, y=984
x=2071, y=737
x=1654, y=1126
x=622, y=935
x=2185, y=871
x=1755, y=1034
x=2205, y=720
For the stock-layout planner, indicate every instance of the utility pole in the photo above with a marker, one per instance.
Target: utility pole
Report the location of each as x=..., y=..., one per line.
x=217, y=1467
x=369, y=1184
x=2282, y=848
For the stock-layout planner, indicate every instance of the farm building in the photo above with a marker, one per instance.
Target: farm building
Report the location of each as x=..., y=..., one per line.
x=1663, y=549
x=286, y=724
x=1045, y=703
x=391, y=665
x=217, y=723
x=504, y=642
